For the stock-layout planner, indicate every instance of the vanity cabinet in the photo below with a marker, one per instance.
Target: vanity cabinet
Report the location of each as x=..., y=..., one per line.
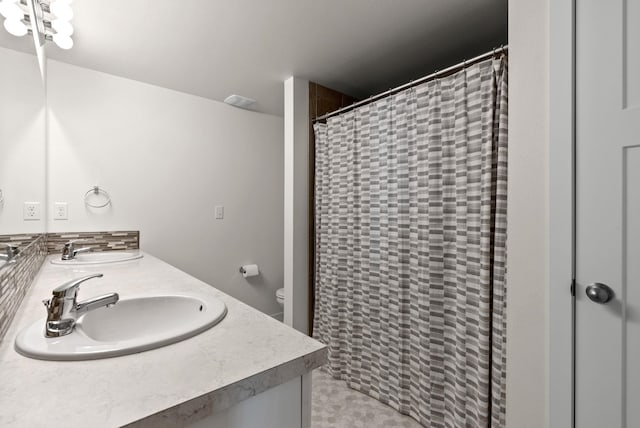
x=247, y=371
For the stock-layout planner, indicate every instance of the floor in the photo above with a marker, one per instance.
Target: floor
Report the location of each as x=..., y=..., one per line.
x=335, y=405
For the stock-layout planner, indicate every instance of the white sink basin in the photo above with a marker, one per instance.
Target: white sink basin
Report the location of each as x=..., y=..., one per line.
x=132, y=325
x=98, y=258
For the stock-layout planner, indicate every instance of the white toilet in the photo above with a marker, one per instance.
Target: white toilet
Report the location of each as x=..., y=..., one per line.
x=280, y=296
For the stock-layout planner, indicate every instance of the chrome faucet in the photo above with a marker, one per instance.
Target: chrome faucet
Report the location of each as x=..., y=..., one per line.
x=69, y=251
x=11, y=252
x=63, y=310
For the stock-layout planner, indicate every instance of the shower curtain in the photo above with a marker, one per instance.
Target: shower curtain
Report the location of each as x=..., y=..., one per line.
x=411, y=247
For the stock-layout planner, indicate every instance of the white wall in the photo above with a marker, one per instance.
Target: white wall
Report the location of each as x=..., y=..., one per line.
x=22, y=140
x=167, y=158
x=296, y=206
x=528, y=205
x=296, y=217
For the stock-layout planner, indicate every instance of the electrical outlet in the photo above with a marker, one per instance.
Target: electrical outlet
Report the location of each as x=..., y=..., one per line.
x=60, y=211
x=31, y=211
x=219, y=212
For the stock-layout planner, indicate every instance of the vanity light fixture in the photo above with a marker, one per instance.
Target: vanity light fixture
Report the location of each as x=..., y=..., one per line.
x=46, y=20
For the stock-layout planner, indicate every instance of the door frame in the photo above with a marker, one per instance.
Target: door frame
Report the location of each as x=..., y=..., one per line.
x=562, y=131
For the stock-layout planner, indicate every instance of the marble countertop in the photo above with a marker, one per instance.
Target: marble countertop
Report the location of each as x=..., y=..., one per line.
x=246, y=353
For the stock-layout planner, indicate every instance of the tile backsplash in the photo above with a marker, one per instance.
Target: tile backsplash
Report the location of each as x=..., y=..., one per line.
x=98, y=241
x=16, y=277
x=21, y=240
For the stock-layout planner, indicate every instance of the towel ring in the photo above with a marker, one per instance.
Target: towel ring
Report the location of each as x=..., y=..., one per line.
x=97, y=191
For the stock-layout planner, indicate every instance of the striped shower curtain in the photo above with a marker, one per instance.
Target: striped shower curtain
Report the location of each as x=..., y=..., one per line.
x=411, y=247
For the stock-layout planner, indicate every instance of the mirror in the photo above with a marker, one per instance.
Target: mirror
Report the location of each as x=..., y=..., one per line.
x=22, y=140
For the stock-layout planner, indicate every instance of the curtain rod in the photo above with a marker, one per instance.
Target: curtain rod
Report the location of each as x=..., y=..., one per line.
x=412, y=83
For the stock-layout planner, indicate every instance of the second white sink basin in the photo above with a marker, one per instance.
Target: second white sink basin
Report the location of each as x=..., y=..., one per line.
x=132, y=325
x=99, y=257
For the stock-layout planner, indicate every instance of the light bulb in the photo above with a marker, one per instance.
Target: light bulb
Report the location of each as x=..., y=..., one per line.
x=15, y=27
x=61, y=27
x=10, y=10
x=61, y=10
x=63, y=42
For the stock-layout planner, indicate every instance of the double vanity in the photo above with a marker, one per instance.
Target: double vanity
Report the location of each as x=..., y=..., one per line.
x=141, y=343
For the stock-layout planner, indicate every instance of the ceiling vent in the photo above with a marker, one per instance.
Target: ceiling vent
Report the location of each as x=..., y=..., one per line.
x=239, y=101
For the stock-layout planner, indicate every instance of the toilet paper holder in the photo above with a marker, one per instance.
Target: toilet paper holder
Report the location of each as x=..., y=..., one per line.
x=249, y=270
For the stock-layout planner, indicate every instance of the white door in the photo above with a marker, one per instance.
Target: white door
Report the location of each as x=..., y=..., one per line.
x=608, y=213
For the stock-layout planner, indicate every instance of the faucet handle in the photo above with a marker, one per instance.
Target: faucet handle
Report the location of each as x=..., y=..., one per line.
x=71, y=242
x=69, y=289
x=12, y=249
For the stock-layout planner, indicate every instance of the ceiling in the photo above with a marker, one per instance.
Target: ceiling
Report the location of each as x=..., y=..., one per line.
x=214, y=48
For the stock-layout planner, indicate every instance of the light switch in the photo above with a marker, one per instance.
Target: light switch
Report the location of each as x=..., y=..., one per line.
x=219, y=212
